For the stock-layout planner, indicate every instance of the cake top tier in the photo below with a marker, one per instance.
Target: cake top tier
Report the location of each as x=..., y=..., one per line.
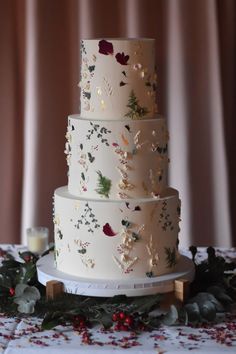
x=118, y=79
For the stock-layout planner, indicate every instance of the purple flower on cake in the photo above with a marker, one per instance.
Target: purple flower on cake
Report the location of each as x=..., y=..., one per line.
x=108, y=230
x=105, y=47
x=122, y=58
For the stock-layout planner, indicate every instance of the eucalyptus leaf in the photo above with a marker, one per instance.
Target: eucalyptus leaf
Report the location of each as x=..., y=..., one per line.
x=220, y=295
x=193, y=312
x=19, y=290
x=200, y=298
x=208, y=310
x=25, y=306
x=171, y=317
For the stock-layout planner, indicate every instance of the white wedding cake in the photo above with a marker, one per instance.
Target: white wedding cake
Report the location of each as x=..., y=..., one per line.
x=117, y=218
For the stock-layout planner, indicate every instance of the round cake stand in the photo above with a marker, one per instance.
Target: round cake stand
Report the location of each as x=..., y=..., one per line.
x=101, y=287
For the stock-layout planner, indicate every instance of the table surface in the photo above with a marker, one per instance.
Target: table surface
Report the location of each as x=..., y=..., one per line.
x=25, y=335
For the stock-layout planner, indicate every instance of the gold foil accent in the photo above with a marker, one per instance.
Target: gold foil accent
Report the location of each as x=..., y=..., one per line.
x=103, y=105
x=125, y=185
x=56, y=220
x=77, y=205
x=99, y=91
x=154, y=257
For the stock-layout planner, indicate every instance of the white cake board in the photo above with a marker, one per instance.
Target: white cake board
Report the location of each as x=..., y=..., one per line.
x=132, y=287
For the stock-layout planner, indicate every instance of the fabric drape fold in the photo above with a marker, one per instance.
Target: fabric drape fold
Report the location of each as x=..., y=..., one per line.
x=40, y=72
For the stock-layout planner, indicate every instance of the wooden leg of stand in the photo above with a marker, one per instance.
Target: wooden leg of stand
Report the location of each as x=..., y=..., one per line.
x=181, y=289
x=54, y=289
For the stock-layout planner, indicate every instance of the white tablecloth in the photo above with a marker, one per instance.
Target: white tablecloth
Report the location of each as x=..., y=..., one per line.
x=25, y=336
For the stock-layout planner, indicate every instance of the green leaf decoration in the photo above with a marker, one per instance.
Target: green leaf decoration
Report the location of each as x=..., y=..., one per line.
x=91, y=158
x=171, y=258
x=135, y=110
x=125, y=223
x=104, y=185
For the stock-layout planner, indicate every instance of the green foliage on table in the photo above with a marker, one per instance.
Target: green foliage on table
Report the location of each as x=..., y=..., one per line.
x=213, y=291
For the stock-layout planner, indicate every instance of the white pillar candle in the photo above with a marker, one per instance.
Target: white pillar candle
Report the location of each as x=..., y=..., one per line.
x=37, y=239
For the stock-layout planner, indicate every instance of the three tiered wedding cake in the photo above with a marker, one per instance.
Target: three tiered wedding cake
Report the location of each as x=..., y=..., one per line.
x=117, y=218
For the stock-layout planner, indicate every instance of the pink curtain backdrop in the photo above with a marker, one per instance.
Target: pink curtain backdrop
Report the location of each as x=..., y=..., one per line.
x=39, y=75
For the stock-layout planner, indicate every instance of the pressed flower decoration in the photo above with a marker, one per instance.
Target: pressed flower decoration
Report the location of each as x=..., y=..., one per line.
x=122, y=58
x=108, y=231
x=105, y=47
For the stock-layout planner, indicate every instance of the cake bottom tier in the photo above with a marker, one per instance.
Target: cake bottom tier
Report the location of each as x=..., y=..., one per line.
x=122, y=239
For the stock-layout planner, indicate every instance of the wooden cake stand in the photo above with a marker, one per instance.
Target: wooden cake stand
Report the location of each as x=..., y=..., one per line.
x=57, y=282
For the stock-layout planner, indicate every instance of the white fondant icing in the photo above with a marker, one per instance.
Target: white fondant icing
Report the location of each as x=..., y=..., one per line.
x=118, y=79
x=115, y=229
x=122, y=151
x=117, y=219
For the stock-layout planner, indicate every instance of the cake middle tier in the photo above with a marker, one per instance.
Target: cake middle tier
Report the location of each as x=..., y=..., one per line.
x=116, y=159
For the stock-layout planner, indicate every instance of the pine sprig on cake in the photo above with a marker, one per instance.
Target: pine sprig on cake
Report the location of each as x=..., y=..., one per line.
x=171, y=258
x=104, y=185
x=136, y=111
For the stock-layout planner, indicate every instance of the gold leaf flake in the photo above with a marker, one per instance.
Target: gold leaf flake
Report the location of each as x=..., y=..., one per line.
x=103, y=106
x=122, y=172
x=99, y=91
x=142, y=74
x=77, y=205
x=125, y=141
x=56, y=220
x=125, y=185
x=137, y=66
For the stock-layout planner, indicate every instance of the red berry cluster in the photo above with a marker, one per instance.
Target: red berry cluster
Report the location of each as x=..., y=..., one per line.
x=79, y=323
x=124, y=322
x=12, y=291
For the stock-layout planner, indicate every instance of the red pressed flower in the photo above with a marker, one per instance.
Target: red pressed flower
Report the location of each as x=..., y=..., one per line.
x=108, y=230
x=105, y=47
x=122, y=58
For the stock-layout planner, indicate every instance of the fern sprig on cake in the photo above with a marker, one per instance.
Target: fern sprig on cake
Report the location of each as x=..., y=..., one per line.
x=135, y=110
x=104, y=185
